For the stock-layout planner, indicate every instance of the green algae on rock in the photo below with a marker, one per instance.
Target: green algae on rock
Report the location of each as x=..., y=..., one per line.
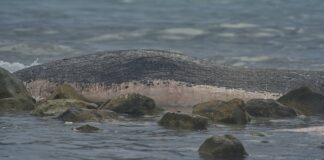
x=183, y=121
x=226, y=146
x=58, y=106
x=268, y=108
x=230, y=112
x=132, y=104
x=305, y=101
x=86, y=115
x=13, y=94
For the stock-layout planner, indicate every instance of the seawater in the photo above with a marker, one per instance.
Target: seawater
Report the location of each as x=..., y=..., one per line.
x=27, y=137
x=284, y=34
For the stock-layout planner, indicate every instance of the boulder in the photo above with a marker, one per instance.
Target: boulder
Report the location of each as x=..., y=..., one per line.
x=230, y=112
x=268, y=108
x=305, y=101
x=132, y=104
x=85, y=115
x=58, y=106
x=13, y=94
x=66, y=91
x=183, y=121
x=226, y=146
x=87, y=128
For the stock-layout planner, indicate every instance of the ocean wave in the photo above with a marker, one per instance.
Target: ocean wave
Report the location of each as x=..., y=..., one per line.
x=238, y=25
x=317, y=130
x=15, y=66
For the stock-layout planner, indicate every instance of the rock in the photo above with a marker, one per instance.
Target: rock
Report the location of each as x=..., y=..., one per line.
x=132, y=104
x=85, y=115
x=226, y=146
x=183, y=121
x=268, y=108
x=305, y=101
x=87, y=129
x=13, y=94
x=322, y=145
x=231, y=112
x=65, y=91
x=58, y=106
x=264, y=141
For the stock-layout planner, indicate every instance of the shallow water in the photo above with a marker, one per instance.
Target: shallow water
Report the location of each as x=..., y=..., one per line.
x=263, y=33
x=27, y=137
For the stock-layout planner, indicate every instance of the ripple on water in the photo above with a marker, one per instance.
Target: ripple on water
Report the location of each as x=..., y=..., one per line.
x=40, y=139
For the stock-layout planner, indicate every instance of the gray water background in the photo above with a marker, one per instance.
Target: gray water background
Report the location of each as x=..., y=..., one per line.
x=27, y=137
x=245, y=33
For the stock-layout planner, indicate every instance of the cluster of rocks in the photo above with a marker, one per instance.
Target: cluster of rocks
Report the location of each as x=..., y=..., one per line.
x=68, y=105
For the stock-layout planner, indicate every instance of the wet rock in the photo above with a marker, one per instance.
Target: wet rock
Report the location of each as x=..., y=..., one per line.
x=264, y=141
x=304, y=101
x=226, y=146
x=231, y=112
x=268, y=108
x=13, y=94
x=85, y=115
x=322, y=145
x=87, y=129
x=65, y=91
x=183, y=121
x=58, y=106
x=132, y=104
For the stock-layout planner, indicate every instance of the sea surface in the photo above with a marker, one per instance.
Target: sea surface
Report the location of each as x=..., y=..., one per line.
x=283, y=34
x=26, y=137
x=244, y=33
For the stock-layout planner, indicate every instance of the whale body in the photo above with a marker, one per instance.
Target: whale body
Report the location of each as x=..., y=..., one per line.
x=145, y=66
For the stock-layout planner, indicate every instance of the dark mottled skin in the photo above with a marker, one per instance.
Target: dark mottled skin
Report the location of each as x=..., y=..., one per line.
x=144, y=65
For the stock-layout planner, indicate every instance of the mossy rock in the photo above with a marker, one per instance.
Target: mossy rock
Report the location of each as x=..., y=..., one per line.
x=87, y=129
x=58, y=106
x=230, y=112
x=13, y=94
x=86, y=115
x=132, y=104
x=183, y=121
x=305, y=101
x=226, y=146
x=269, y=108
x=66, y=91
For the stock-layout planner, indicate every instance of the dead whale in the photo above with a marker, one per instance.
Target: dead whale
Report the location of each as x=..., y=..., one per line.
x=170, y=78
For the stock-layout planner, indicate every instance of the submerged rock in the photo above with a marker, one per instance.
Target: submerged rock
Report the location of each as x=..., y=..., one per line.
x=59, y=106
x=305, y=101
x=268, y=108
x=132, y=104
x=183, y=121
x=85, y=115
x=87, y=129
x=226, y=146
x=65, y=91
x=13, y=94
x=231, y=112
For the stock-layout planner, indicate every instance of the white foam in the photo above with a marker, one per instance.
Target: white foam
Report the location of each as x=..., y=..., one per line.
x=262, y=35
x=318, y=130
x=118, y=36
x=15, y=66
x=252, y=59
x=238, y=25
x=227, y=35
x=184, y=31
